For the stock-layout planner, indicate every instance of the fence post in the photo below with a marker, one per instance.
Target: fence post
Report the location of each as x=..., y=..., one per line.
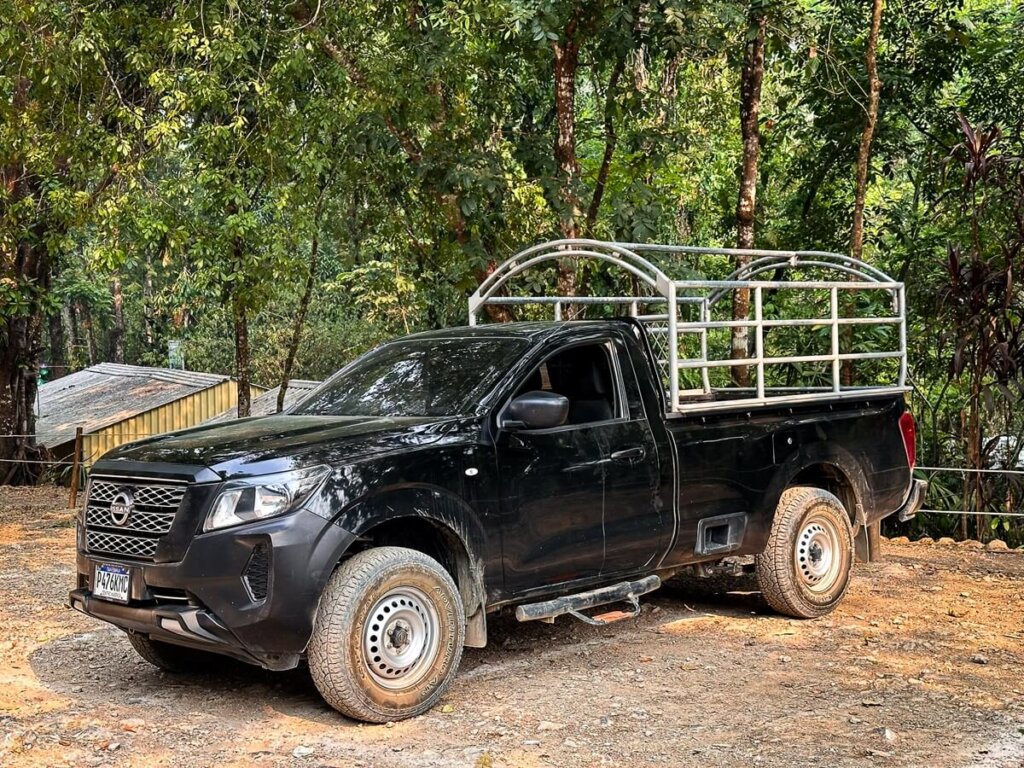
x=75, y=469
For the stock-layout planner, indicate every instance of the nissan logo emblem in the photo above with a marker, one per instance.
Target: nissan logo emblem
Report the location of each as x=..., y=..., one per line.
x=121, y=507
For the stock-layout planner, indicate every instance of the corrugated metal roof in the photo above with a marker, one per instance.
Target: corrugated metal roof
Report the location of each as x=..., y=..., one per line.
x=266, y=403
x=105, y=394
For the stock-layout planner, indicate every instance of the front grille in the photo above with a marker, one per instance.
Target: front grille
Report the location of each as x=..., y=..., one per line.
x=154, y=506
x=139, y=520
x=137, y=547
x=159, y=496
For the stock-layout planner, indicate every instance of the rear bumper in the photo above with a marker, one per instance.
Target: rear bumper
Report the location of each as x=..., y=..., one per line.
x=915, y=500
x=213, y=605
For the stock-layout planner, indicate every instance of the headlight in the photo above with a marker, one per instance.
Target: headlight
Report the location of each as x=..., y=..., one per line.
x=257, y=498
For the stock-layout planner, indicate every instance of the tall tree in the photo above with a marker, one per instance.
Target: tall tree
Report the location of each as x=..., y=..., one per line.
x=871, y=120
x=863, y=165
x=751, y=81
x=72, y=113
x=566, y=50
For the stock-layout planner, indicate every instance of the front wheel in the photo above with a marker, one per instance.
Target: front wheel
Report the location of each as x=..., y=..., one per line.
x=388, y=635
x=804, y=569
x=170, y=658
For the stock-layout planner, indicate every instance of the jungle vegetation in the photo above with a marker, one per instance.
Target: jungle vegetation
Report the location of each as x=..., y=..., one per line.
x=280, y=185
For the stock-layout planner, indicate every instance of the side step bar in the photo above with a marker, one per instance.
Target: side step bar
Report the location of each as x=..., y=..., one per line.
x=627, y=591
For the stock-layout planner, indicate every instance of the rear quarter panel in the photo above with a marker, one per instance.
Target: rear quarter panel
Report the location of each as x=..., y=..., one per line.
x=743, y=461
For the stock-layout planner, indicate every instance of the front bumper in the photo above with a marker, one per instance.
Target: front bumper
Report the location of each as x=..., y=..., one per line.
x=207, y=600
x=915, y=500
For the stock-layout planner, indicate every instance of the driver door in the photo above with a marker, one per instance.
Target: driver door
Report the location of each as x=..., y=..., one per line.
x=553, y=480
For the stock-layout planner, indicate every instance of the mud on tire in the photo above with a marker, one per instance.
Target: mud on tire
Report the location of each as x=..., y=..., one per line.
x=388, y=635
x=804, y=570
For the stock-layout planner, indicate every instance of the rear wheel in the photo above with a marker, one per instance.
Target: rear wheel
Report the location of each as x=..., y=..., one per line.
x=805, y=568
x=168, y=657
x=388, y=635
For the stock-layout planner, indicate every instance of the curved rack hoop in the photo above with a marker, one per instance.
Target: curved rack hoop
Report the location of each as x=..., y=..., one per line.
x=612, y=253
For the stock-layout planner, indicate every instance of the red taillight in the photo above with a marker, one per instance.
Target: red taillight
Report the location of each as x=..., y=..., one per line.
x=909, y=431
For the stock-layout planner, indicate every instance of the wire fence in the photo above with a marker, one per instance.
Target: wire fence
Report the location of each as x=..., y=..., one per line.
x=929, y=473
x=1010, y=513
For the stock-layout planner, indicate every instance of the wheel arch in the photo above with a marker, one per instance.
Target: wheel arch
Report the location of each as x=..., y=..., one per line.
x=436, y=523
x=833, y=469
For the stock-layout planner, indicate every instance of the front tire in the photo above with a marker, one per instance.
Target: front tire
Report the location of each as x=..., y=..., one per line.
x=171, y=658
x=388, y=635
x=804, y=570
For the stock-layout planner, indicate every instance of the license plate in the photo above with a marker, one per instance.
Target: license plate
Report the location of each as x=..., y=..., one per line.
x=112, y=582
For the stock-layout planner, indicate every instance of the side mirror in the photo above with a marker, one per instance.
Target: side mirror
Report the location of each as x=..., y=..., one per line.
x=536, y=410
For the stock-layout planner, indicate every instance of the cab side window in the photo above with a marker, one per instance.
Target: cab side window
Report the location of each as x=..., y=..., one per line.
x=584, y=375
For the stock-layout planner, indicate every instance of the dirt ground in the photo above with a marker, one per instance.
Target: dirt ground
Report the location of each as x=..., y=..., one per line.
x=921, y=666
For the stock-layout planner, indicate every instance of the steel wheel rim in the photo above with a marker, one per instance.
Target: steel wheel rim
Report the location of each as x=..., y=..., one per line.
x=818, y=553
x=401, y=638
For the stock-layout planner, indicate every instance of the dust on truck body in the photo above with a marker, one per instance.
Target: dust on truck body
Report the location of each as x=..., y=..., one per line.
x=546, y=466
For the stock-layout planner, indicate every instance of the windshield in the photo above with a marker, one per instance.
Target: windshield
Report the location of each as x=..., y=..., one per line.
x=419, y=377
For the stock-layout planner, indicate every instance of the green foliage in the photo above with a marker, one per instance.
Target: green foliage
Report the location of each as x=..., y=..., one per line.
x=197, y=151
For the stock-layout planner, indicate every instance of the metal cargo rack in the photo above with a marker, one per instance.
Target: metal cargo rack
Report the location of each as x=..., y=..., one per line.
x=682, y=315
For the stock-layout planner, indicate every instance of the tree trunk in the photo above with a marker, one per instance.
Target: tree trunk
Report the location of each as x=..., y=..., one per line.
x=67, y=318
x=863, y=163
x=243, y=373
x=864, y=155
x=566, y=163
x=76, y=336
x=567, y=167
x=974, y=451
x=300, y=318
x=58, y=359
x=90, y=335
x=18, y=369
x=26, y=264
x=117, y=334
x=147, y=302
x=610, y=142
x=750, y=108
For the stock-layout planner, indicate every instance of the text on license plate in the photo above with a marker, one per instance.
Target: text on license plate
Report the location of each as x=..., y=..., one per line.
x=113, y=582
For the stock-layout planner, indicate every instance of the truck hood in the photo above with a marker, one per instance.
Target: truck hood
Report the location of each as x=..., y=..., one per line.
x=274, y=443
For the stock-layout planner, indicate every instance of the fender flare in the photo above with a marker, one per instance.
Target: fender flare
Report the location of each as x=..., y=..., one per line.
x=837, y=459
x=454, y=519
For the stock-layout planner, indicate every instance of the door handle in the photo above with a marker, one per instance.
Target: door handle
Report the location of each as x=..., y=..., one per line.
x=629, y=454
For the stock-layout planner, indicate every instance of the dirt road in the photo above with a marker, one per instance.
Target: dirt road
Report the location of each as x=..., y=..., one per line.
x=922, y=665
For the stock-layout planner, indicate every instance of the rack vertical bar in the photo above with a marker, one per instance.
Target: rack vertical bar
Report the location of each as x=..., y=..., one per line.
x=673, y=348
x=834, y=311
x=901, y=297
x=759, y=340
x=705, y=317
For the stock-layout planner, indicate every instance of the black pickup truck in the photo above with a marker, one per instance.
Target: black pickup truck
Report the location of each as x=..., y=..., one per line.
x=370, y=530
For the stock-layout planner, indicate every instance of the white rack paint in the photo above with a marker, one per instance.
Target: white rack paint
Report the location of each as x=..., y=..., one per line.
x=660, y=302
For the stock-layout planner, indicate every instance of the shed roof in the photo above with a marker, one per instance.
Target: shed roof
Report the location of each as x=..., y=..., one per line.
x=265, y=404
x=105, y=394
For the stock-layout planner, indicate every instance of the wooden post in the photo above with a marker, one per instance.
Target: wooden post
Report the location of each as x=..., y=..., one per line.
x=875, y=542
x=75, y=469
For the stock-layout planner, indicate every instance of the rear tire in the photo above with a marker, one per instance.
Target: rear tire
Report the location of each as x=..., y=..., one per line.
x=388, y=635
x=170, y=658
x=804, y=570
